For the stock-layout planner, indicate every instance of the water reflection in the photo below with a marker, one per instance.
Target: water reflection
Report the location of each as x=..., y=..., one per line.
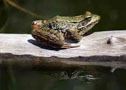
x=98, y=79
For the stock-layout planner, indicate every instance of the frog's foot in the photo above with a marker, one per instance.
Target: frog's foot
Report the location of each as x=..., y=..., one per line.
x=67, y=45
x=50, y=38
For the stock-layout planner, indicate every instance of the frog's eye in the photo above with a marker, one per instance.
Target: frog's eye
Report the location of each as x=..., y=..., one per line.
x=88, y=18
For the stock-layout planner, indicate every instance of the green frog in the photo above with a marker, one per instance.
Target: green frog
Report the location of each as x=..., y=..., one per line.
x=55, y=32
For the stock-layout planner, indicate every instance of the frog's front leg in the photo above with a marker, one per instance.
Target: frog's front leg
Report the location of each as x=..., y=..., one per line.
x=73, y=35
x=50, y=38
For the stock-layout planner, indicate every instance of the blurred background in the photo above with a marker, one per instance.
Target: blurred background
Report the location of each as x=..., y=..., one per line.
x=16, y=16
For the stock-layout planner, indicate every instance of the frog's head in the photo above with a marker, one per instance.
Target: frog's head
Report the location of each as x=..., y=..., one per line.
x=89, y=21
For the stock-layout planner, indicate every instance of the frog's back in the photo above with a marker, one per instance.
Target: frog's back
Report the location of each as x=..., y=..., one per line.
x=67, y=18
x=62, y=25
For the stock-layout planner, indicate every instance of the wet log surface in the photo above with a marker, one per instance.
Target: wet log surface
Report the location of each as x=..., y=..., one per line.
x=106, y=48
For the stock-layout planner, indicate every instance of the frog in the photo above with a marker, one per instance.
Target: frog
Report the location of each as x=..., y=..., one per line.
x=57, y=31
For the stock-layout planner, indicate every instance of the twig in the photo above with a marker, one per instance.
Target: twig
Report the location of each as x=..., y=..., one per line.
x=23, y=9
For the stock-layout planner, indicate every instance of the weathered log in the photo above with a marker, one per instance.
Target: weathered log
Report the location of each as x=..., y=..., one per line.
x=106, y=48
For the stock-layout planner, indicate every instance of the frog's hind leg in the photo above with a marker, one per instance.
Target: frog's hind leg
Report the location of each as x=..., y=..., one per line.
x=50, y=38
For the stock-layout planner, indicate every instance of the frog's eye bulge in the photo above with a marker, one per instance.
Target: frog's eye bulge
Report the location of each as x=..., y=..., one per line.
x=88, y=14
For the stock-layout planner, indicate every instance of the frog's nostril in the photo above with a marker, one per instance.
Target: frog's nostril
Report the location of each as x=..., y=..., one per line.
x=97, y=17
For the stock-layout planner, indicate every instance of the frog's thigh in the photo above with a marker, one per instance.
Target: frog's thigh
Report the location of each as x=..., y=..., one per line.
x=73, y=34
x=51, y=38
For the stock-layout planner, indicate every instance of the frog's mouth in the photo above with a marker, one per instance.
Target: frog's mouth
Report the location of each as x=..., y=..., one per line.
x=89, y=26
x=88, y=23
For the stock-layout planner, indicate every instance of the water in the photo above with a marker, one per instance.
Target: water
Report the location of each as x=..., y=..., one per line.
x=100, y=78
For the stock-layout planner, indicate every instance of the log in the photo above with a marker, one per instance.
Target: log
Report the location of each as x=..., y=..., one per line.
x=107, y=48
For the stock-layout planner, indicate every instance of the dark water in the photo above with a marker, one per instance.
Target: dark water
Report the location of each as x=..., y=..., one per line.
x=12, y=20
x=33, y=79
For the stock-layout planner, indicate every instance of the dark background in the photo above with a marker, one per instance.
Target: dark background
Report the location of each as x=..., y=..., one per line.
x=13, y=20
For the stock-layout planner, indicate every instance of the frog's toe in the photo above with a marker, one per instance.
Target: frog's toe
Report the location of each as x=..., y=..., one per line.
x=68, y=45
